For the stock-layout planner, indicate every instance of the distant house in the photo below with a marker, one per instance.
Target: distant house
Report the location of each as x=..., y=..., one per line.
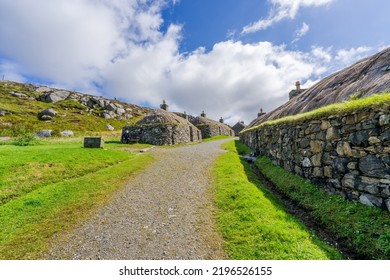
x=211, y=128
x=238, y=127
x=161, y=127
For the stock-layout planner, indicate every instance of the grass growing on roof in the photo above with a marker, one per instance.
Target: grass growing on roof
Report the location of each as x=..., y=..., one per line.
x=253, y=223
x=48, y=188
x=364, y=230
x=373, y=101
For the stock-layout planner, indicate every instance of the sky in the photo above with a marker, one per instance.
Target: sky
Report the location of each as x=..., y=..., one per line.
x=227, y=57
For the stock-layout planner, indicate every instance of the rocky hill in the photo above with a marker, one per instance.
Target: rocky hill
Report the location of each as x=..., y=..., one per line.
x=366, y=77
x=33, y=108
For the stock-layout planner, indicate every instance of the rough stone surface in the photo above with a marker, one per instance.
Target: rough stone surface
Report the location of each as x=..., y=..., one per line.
x=373, y=166
x=54, y=96
x=93, y=142
x=67, y=133
x=161, y=128
x=353, y=158
x=161, y=214
x=110, y=127
x=44, y=133
x=47, y=114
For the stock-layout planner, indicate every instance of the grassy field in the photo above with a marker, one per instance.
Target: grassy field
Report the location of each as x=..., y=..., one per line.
x=47, y=188
x=253, y=223
x=362, y=229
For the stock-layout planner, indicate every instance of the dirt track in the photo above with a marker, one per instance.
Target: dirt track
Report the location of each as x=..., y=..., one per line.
x=166, y=212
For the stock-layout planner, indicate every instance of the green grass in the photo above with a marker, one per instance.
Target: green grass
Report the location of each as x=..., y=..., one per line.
x=219, y=137
x=363, y=229
x=48, y=188
x=352, y=105
x=253, y=223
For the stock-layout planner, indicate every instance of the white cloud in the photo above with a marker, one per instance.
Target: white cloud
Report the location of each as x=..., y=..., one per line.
x=302, y=31
x=117, y=48
x=64, y=41
x=9, y=71
x=347, y=57
x=233, y=80
x=282, y=9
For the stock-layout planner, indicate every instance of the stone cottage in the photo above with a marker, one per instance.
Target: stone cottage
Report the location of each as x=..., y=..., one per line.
x=238, y=127
x=211, y=128
x=161, y=127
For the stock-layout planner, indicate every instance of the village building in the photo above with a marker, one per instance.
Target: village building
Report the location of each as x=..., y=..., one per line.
x=238, y=127
x=211, y=128
x=297, y=91
x=161, y=127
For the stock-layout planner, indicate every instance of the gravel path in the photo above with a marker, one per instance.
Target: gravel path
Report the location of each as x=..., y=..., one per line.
x=163, y=213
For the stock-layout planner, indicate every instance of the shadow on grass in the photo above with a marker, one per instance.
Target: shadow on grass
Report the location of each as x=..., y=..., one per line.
x=276, y=202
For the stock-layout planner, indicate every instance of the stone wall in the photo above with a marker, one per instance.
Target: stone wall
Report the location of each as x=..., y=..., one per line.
x=214, y=130
x=348, y=154
x=161, y=134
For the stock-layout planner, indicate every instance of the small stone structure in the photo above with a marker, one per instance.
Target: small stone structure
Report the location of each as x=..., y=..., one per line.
x=238, y=127
x=161, y=128
x=260, y=113
x=347, y=154
x=297, y=91
x=211, y=128
x=93, y=142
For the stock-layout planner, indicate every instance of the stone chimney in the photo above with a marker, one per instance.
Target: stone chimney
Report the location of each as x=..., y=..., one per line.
x=260, y=113
x=298, y=86
x=221, y=120
x=164, y=106
x=203, y=114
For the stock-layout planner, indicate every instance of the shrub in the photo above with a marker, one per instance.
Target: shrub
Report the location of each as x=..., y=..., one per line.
x=27, y=139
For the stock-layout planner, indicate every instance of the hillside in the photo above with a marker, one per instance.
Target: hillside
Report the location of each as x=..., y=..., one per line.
x=32, y=108
x=364, y=78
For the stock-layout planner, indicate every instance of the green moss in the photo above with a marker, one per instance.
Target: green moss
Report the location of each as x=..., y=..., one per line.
x=355, y=105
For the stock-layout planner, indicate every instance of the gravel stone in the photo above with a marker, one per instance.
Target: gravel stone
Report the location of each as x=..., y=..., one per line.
x=165, y=212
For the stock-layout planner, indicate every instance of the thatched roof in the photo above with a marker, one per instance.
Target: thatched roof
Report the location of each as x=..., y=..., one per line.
x=366, y=77
x=205, y=121
x=159, y=116
x=239, y=126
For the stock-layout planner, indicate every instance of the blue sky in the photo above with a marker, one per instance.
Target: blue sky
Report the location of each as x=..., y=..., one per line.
x=227, y=57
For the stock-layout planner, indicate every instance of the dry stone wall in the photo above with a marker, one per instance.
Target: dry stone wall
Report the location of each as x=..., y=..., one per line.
x=209, y=131
x=348, y=154
x=161, y=134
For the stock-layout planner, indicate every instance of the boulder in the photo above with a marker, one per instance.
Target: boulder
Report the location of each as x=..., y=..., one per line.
x=44, y=133
x=43, y=89
x=19, y=95
x=47, y=114
x=110, y=127
x=111, y=107
x=55, y=96
x=3, y=113
x=67, y=133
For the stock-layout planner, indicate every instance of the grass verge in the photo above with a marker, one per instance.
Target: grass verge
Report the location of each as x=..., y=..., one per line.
x=374, y=101
x=71, y=181
x=253, y=223
x=363, y=230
